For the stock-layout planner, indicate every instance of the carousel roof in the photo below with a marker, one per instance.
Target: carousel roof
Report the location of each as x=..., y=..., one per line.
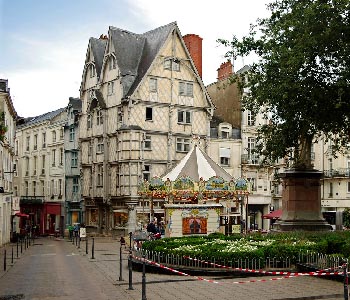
x=197, y=164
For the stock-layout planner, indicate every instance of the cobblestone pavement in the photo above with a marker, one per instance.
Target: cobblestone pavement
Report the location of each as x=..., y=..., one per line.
x=58, y=269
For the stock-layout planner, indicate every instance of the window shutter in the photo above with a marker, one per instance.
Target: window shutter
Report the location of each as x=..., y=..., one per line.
x=189, y=89
x=181, y=88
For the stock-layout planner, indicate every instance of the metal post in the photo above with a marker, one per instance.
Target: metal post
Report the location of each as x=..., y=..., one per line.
x=12, y=255
x=120, y=264
x=144, y=278
x=17, y=247
x=345, y=272
x=21, y=245
x=5, y=260
x=130, y=263
x=79, y=240
x=93, y=249
x=86, y=246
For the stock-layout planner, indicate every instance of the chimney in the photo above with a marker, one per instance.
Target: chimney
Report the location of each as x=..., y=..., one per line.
x=225, y=70
x=194, y=46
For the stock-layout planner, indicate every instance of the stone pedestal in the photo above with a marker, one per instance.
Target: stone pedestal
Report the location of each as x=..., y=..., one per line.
x=301, y=202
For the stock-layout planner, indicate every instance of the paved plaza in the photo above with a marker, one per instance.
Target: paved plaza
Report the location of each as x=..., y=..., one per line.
x=58, y=269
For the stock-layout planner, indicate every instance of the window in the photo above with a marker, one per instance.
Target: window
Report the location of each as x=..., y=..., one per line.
x=100, y=175
x=348, y=191
x=89, y=121
x=146, y=172
x=186, y=89
x=35, y=162
x=225, y=133
x=34, y=188
x=61, y=156
x=26, y=185
x=330, y=189
x=182, y=145
x=99, y=148
x=43, y=165
x=99, y=117
x=53, y=136
x=35, y=141
x=252, y=156
x=250, y=119
x=74, y=159
x=71, y=134
x=92, y=71
x=110, y=88
x=252, y=183
x=172, y=63
x=53, y=157
x=27, y=166
x=15, y=191
x=44, y=139
x=60, y=186
x=120, y=114
x=153, y=85
x=42, y=183
x=225, y=155
x=112, y=62
x=75, y=187
x=27, y=143
x=61, y=133
x=147, y=142
x=149, y=113
x=184, y=117
x=90, y=149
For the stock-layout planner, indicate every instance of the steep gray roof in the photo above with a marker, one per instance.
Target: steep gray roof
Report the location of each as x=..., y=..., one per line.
x=98, y=47
x=38, y=119
x=136, y=52
x=75, y=103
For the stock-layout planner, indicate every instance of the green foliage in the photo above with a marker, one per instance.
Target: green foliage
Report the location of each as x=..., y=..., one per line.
x=277, y=245
x=301, y=80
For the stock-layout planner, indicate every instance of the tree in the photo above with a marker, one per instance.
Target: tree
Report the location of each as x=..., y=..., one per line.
x=301, y=81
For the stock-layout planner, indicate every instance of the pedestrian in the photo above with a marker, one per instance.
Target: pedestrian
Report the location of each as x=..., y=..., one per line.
x=70, y=231
x=76, y=229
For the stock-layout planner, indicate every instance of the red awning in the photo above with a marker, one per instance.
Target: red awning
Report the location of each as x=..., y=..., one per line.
x=274, y=215
x=21, y=215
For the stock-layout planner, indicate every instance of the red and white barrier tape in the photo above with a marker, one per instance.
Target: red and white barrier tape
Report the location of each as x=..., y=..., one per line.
x=208, y=280
x=316, y=273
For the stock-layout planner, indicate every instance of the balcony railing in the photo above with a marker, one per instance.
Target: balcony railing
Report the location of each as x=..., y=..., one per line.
x=250, y=159
x=342, y=172
x=31, y=200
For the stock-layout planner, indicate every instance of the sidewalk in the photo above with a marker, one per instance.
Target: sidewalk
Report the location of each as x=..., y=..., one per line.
x=105, y=265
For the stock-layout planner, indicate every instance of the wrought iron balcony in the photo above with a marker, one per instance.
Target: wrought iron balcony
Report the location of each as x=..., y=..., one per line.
x=342, y=172
x=31, y=200
x=250, y=159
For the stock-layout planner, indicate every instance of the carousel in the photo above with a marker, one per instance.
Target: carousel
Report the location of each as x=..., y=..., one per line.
x=197, y=197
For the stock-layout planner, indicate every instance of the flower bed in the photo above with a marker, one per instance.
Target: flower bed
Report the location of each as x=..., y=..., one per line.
x=254, y=246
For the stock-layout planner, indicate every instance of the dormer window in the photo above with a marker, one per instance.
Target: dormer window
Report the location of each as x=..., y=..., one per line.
x=92, y=71
x=112, y=62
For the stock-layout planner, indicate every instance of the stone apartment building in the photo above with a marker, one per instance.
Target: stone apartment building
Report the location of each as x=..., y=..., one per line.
x=40, y=170
x=74, y=207
x=142, y=102
x=8, y=118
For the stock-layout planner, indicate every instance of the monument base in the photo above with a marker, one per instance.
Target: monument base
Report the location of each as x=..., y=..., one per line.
x=301, y=225
x=301, y=202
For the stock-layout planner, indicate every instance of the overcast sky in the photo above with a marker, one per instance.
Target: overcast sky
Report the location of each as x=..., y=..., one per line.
x=43, y=43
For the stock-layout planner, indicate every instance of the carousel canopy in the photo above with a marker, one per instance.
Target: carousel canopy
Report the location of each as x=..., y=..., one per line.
x=197, y=164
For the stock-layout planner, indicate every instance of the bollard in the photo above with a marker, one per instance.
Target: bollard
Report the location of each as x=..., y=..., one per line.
x=120, y=264
x=5, y=260
x=346, y=290
x=144, y=278
x=12, y=255
x=130, y=263
x=21, y=245
x=17, y=247
x=79, y=241
x=86, y=246
x=93, y=249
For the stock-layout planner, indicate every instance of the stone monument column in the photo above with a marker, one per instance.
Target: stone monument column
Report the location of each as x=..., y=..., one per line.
x=131, y=218
x=301, y=202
